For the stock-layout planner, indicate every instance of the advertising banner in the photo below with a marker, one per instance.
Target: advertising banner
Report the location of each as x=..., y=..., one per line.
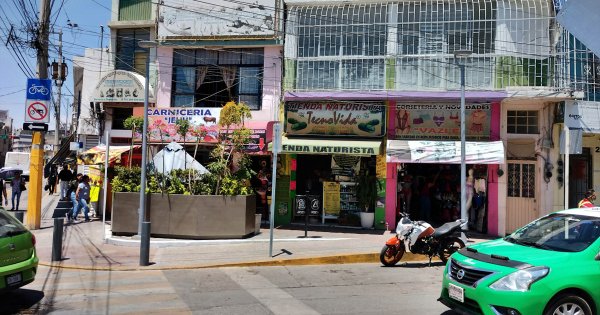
x=363, y=119
x=442, y=121
x=216, y=18
x=162, y=124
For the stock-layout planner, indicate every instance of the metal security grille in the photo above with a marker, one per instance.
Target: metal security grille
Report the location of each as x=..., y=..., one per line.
x=521, y=180
x=409, y=45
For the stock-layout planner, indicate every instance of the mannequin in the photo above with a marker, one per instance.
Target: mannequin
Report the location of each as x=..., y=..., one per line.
x=470, y=191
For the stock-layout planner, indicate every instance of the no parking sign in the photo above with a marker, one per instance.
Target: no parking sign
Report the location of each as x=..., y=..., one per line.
x=39, y=93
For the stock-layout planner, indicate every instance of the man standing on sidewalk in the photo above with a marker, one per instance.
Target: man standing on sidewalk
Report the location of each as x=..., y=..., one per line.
x=65, y=177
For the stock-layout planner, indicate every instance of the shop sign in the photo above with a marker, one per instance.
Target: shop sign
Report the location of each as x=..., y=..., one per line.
x=120, y=86
x=363, y=119
x=442, y=121
x=327, y=149
x=331, y=198
x=162, y=124
x=583, y=115
x=257, y=142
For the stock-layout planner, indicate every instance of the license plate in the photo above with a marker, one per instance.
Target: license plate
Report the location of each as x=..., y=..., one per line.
x=13, y=279
x=456, y=292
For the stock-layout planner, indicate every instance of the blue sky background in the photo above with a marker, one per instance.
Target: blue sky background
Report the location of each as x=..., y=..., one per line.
x=87, y=15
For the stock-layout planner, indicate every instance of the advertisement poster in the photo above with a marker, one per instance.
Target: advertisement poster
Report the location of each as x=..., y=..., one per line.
x=381, y=166
x=365, y=119
x=442, y=121
x=331, y=198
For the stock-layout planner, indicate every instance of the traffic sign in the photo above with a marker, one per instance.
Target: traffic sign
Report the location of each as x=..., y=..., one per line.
x=35, y=126
x=37, y=112
x=39, y=89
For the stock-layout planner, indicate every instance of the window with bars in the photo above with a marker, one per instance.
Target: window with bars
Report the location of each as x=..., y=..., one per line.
x=211, y=78
x=522, y=122
x=521, y=180
x=509, y=41
x=129, y=55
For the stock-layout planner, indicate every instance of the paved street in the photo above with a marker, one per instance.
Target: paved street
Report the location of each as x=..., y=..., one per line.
x=323, y=289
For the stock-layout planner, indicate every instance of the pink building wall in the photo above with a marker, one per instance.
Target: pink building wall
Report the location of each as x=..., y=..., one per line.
x=165, y=74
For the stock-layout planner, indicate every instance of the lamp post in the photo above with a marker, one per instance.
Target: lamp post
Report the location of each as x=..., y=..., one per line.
x=144, y=227
x=463, y=168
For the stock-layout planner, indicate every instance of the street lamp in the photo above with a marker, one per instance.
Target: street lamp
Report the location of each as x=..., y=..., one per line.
x=144, y=227
x=460, y=54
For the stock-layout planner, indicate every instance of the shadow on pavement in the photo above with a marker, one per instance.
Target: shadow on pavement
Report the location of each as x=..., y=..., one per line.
x=20, y=300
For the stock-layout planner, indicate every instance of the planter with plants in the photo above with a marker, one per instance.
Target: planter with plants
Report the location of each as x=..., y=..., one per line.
x=186, y=204
x=366, y=195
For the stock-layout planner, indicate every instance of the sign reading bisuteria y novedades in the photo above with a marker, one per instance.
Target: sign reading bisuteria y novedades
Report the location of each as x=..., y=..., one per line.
x=442, y=121
x=364, y=119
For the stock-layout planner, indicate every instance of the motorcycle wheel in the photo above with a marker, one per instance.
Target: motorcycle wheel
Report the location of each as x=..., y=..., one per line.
x=390, y=255
x=449, y=247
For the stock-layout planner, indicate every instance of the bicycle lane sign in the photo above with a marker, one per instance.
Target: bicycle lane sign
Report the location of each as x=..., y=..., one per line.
x=39, y=89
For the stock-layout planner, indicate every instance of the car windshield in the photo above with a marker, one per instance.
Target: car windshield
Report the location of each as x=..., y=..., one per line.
x=9, y=226
x=558, y=232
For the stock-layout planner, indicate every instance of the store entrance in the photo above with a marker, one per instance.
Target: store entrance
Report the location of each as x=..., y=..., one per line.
x=431, y=192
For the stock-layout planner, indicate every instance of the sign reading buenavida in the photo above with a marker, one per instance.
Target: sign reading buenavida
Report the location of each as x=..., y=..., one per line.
x=364, y=119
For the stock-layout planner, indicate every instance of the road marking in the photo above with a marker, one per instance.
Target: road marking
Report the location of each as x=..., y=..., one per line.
x=268, y=294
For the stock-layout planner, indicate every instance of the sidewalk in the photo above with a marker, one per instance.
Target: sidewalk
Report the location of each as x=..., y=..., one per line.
x=88, y=245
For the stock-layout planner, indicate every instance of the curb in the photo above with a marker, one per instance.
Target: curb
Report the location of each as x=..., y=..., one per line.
x=320, y=260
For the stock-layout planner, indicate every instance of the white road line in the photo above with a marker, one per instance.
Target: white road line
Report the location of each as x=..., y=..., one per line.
x=268, y=294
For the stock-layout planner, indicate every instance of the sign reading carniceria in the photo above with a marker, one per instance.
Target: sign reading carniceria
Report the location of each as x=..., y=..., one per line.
x=121, y=86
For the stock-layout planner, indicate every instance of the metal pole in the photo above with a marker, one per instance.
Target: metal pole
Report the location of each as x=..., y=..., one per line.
x=142, y=209
x=59, y=84
x=276, y=139
x=145, y=245
x=463, y=167
x=566, y=165
x=57, y=236
x=105, y=186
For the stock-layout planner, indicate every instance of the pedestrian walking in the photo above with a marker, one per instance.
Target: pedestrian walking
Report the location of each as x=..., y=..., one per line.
x=52, y=178
x=17, y=185
x=73, y=184
x=65, y=176
x=3, y=188
x=83, y=196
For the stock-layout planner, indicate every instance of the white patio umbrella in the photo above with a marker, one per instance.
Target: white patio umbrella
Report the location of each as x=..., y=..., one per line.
x=174, y=157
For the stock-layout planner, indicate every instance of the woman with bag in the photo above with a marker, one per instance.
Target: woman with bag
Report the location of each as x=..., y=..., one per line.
x=83, y=197
x=18, y=185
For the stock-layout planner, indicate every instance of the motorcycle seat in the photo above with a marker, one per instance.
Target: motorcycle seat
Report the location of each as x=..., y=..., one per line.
x=446, y=228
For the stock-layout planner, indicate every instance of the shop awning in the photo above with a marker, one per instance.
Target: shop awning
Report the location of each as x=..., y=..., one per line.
x=417, y=151
x=329, y=146
x=95, y=155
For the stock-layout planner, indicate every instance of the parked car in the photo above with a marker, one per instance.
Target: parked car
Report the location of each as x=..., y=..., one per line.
x=18, y=259
x=549, y=266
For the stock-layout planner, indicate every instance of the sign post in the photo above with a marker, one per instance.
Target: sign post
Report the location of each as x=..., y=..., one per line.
x=39, y=93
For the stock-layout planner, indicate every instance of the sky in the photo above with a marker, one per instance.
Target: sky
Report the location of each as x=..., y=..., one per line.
x=80, y=21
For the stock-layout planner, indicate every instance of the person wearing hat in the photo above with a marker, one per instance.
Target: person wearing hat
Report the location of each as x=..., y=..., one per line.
x=587, y=201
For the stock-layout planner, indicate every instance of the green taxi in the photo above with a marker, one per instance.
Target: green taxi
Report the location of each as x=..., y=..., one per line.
x=18, y=260
x=551, y=266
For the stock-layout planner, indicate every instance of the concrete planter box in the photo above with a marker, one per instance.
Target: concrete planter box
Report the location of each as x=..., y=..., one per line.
x=185, y=216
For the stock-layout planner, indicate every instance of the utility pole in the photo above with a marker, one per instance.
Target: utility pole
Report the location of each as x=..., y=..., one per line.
x=36, y=162
x=42, y=40
x=58, y=74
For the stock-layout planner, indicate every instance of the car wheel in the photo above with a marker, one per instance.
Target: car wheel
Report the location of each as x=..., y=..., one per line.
x=568, y=304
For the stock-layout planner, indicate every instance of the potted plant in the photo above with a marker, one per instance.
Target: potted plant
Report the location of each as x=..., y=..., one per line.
x=366, y=196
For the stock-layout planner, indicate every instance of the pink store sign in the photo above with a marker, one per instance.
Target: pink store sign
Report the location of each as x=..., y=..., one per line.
x=442, y=121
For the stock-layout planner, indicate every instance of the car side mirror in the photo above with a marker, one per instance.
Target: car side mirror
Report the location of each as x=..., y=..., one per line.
x=597, y=256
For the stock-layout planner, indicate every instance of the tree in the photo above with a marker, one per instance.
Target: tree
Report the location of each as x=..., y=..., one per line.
x=135, y=124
